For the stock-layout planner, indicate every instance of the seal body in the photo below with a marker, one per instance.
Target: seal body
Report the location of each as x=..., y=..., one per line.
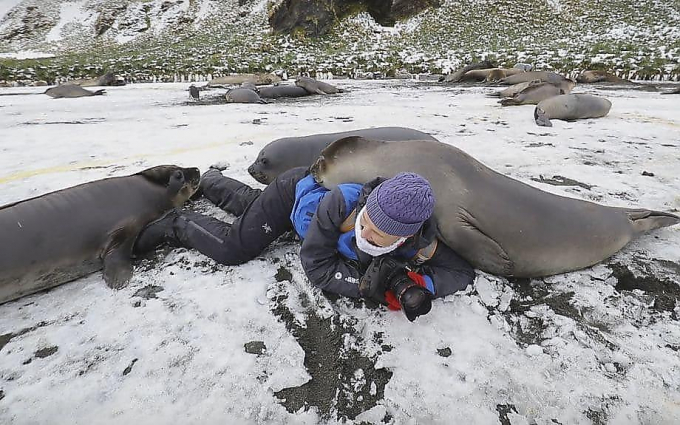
x=276, y=92
x=523, y=77
x=257, y=79
x=71, y=91
x=570, y=107
x=458, y=74
x=533, y=94
x=64, y=235
x=673, y=91
x=108, y=79
x=500, y=225
x=489, y=74
x=241, y=95
x=513, y=90
x=290, y=152
x=597, y=76
x=316, y=86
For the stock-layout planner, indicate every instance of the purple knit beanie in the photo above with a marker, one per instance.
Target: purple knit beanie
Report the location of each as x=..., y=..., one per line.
x=399, y=206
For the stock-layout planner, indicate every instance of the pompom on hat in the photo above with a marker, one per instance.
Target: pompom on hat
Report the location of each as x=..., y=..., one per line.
x=400, y=205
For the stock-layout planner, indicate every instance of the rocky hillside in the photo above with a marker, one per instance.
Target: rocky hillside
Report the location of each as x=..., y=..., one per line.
x=199, y=39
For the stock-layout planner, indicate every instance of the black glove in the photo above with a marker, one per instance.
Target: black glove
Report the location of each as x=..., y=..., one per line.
x=414, y=299
x=375, y=282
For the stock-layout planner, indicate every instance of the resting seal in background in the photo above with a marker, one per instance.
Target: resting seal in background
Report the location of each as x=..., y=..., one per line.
x=316, y=87
x=64, y=235
x=290, y=152
x=500, y=225
x=570, y=107
x=71, y=91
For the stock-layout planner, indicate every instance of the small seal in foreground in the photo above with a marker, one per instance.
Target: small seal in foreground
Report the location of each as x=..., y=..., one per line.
x=64, y=235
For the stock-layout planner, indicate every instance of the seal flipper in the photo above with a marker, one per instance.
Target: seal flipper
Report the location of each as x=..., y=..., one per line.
x=490, y=256
x=116, y=258
x=646, y=220
x=541, y=118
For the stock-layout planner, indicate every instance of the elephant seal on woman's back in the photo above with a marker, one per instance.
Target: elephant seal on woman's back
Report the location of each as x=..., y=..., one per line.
x=500, y=225
x=64, y=235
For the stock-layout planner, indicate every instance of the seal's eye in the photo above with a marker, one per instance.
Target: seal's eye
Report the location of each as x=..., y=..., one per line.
x=178, y=175
x=264, y=161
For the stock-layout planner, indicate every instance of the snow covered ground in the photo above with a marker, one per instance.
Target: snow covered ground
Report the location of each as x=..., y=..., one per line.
x=595, y=346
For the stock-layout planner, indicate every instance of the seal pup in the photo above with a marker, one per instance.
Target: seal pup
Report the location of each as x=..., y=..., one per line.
x=289, y=152
x=569, y=107
x=533, y=94
x=316, y=87
x=240, y=95
x=500, y=225
x=71, y=91
x=64, y=235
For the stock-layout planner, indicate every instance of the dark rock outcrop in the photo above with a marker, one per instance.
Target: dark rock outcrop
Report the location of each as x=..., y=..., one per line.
x=316, y=17
x=107, y=18
x=27, y=21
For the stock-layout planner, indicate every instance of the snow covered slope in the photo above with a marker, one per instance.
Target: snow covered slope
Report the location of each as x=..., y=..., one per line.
x=143, y=38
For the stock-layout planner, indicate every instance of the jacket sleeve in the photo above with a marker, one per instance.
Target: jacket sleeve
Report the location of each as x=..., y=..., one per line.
x=446, y=272
x=323, y=265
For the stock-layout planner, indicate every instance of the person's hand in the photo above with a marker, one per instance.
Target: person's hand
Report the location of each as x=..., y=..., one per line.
x=414, y=299
x=375, y=282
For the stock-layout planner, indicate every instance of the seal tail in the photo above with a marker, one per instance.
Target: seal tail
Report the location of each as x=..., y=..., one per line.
x=646, y=220
x=99, y=92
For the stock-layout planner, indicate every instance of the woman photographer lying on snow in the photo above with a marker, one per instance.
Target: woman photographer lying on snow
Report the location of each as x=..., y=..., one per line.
x=394, y=258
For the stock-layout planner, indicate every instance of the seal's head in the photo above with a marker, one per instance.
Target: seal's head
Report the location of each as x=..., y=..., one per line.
x=180, y=182
x=262, y=169
x=344, y=156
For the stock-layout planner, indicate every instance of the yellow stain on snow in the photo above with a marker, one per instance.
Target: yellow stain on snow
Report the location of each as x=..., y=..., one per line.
x=20, y=175
x=649, y=119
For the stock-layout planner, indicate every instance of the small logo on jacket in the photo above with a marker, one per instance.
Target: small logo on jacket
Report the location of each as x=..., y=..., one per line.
x=267, y=228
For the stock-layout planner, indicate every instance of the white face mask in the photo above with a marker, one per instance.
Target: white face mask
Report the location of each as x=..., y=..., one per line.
x=369, y=248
